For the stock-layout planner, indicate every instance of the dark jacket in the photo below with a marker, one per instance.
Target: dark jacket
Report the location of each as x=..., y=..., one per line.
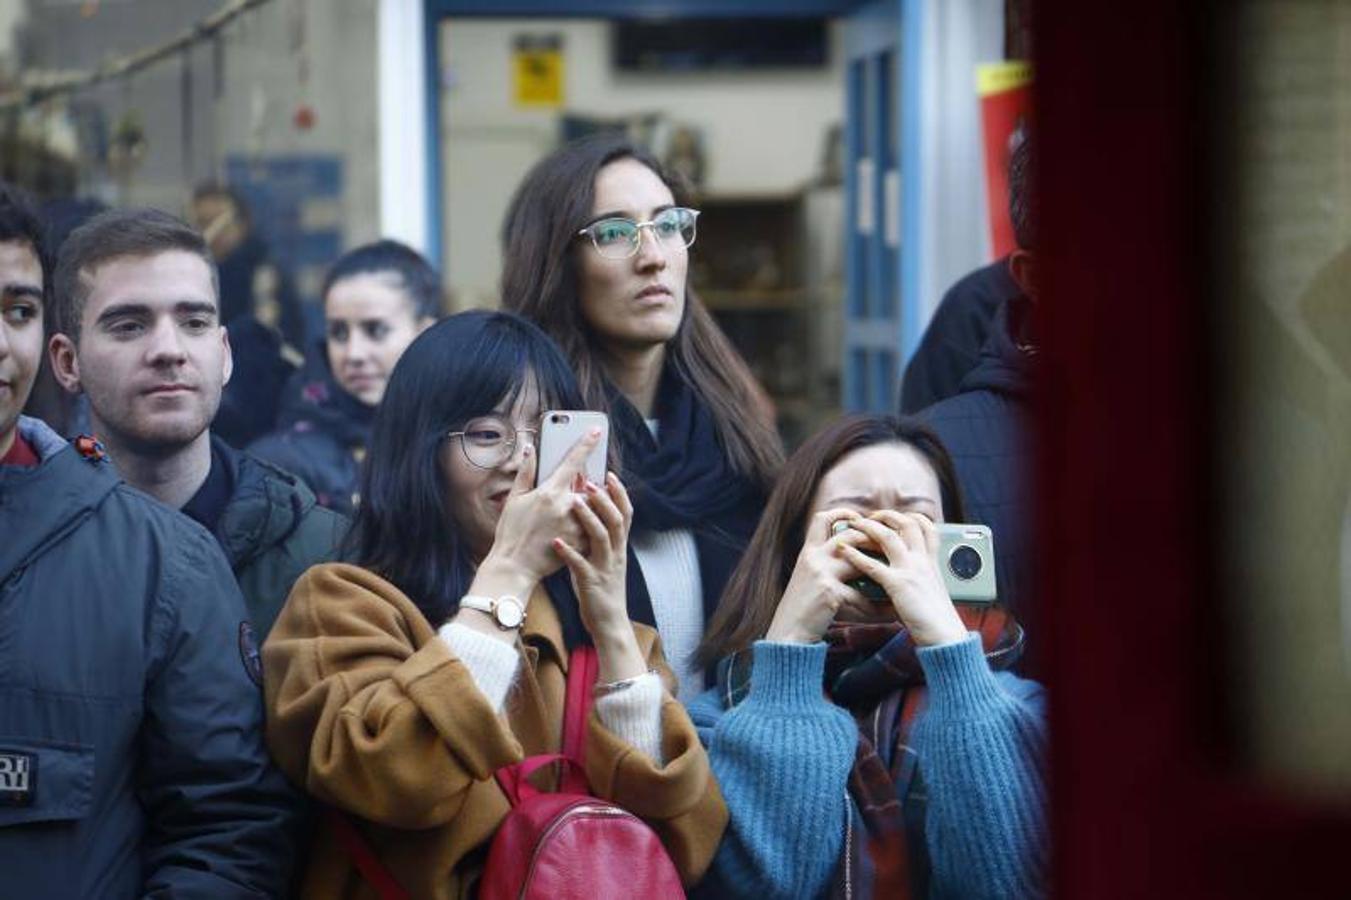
x=251, y=399
x=254, y=290
x=270, y=528
x=322, y=435
x=952, y=343
x=128, y=697
x=987, y=429
x=248, y=279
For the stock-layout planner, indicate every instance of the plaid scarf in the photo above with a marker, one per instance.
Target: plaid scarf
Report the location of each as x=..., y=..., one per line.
x=870, y=671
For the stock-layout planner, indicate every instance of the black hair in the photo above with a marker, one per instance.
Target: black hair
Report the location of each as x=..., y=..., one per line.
x=1022, y=194
x=65, y=214
x=112, y=235
x=20, y=223
x=219, y=189
x=460, y=368
x=420, y=280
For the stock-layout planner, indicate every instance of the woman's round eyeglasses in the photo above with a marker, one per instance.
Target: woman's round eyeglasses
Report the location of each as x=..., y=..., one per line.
x=490, y=441
x=620, y=238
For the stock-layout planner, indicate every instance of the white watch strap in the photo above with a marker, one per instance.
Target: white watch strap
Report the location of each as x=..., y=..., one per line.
x=507, y=611
x=482, y=604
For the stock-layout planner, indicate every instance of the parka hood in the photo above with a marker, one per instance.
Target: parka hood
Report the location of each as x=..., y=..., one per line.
x=48, y=500
x=266, y=506
x=1006, y=360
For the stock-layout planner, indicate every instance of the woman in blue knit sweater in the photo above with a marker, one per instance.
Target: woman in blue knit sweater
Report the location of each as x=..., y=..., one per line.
x=918, y=771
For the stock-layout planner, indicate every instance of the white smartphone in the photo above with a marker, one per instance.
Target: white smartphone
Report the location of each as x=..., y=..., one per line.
x=560, y=430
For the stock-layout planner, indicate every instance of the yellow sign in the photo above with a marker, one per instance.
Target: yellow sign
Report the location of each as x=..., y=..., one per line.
x=537, y=66
x=995, y=78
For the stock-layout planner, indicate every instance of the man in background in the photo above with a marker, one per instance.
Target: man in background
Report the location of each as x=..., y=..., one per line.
x=987, y=425
x=951, y=345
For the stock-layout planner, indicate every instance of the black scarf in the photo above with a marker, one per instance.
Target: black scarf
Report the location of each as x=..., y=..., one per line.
x=559, y=587
x=683, y=479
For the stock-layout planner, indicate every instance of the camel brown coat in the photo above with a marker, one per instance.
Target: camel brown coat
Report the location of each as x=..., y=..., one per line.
x=371, y=712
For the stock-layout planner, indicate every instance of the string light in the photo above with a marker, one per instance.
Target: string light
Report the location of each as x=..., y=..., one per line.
x=38, y=86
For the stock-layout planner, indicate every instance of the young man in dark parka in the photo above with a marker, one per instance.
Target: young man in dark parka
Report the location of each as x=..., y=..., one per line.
x=131, y=754
x=138, y=330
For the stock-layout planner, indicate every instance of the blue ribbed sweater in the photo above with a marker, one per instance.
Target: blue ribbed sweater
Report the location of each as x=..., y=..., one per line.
x=783, y=755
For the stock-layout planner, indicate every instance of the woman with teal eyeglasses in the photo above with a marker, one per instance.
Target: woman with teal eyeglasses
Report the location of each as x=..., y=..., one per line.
x=597, y=244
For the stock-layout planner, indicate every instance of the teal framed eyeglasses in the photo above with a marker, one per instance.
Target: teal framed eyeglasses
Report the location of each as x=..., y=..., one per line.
x=619, y=238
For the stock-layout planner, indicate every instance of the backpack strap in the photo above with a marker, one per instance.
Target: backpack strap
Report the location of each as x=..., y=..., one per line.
x=364, y=858
x=583, y=669
x=514, y=780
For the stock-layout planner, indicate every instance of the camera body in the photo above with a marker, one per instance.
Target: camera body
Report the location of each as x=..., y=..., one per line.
x=965, y=557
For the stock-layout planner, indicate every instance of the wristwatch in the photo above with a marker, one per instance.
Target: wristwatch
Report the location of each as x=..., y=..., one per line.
x=507, y=611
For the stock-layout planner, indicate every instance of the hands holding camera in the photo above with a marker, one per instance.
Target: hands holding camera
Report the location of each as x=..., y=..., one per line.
x=818, y=591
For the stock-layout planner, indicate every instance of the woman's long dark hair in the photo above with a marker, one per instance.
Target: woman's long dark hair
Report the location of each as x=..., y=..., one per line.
x=756, y=586
x=458, y=369
x=540, y=280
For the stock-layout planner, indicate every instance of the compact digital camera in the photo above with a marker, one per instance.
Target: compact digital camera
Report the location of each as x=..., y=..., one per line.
x=965, y=557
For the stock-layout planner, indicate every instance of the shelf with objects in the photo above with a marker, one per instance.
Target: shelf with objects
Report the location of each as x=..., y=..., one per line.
x=768, y=266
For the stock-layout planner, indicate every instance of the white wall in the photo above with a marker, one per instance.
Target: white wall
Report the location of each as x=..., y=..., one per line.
x=763, y=132
x=11, y=13
x=262, y=72
x=403, y=126
x=954, y=228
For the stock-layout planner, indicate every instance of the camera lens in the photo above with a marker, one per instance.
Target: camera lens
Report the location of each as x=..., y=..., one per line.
x=965, y=562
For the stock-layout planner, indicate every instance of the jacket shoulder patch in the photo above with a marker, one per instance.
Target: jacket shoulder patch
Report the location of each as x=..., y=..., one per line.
x=249, y=653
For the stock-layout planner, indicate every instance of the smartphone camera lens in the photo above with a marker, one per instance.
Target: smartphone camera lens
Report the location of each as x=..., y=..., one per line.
x=965, y=562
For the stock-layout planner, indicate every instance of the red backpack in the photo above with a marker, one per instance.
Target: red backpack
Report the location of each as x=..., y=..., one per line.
x=568, y=845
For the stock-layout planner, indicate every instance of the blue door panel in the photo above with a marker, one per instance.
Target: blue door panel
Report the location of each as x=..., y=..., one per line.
x=874, y=308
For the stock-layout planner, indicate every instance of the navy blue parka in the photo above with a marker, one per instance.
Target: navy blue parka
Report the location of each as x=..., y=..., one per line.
x=128, y=697
x=987, y=428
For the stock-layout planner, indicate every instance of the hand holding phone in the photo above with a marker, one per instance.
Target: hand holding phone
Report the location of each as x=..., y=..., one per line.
x=539, y=511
